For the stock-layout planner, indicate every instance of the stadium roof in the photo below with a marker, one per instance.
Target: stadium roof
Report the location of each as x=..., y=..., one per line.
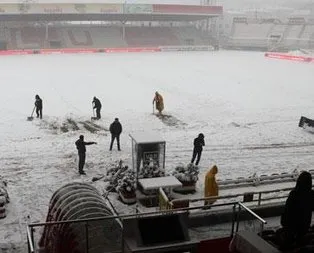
x=188, y=2
x=99, y=17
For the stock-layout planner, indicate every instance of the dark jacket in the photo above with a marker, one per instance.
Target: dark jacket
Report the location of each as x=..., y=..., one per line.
x=115, y=128
x=298, y=209
x=97, y=103
x=80, y=145
x=39, y=103
x=199, y=142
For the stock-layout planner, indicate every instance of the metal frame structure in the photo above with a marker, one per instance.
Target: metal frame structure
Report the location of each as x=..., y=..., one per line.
x=30, y=229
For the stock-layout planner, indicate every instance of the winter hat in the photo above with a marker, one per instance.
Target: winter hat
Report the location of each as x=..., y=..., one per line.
x=201, y=135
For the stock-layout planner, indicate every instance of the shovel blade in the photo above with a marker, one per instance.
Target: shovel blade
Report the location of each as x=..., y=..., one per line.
x=30, y=118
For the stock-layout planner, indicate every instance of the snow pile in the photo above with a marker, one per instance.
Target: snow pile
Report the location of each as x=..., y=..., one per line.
x=128, y=182
x=188, y=173
x=150, y=170
x=4, y=197
x=116, y=176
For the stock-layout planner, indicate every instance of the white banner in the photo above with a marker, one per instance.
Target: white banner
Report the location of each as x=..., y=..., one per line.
x=186, y=48
x=59, y=8
x=138, y=8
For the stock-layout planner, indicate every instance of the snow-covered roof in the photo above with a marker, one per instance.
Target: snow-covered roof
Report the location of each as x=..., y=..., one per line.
x=146, y=137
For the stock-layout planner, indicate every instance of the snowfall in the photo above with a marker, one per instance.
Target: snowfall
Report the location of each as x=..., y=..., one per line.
x=247, y=106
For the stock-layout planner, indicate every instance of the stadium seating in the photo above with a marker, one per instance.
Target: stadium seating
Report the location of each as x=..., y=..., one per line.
x=150, y=36
x=250, y=35
x=83, y=36
x=188, y=36
x=270, y=36
x=31, y=37
x=274, y=36
x=96, y=37
x=292, y=35
x=307, y=37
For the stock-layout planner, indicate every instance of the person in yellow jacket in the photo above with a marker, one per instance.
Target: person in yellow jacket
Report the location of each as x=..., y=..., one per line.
x=159, y=102
x=211, y=186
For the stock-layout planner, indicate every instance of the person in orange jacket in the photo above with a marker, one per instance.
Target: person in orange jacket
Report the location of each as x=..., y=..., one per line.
x=159, y=102
x=211, y=186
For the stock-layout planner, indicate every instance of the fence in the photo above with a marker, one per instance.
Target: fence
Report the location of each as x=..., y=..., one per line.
x=256, y=198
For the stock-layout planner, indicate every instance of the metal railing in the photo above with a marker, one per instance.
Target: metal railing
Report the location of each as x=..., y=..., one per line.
x=234, y=222
x=259, y=195
x=262, y=221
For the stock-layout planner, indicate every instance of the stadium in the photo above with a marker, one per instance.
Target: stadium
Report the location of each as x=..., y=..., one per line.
x=213, y=65
x=33, y=25
x=36, y=26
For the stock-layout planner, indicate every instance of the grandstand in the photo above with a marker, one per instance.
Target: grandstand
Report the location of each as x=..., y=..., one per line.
x=101, y=26
x=271, y=34
x=37, y=26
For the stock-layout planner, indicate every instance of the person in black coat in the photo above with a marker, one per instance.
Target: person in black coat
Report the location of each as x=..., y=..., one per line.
x=297, y=215
x=39, y=107
x=199, y=142
x=115, y=130
x=97, y=106
x=81, y=148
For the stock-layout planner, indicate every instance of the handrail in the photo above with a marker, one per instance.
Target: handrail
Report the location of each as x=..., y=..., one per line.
x=177, y=210
x=235, y=195
x=252, y=213
x=29, y=239
x=163, y=212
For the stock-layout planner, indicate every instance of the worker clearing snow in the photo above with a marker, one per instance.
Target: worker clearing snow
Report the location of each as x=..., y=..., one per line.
x=159, y=102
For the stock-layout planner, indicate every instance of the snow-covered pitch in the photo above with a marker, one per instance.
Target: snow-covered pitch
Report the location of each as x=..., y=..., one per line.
x=246, y=105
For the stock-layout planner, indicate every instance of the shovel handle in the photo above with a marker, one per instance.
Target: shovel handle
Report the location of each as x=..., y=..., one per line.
x=33, y=111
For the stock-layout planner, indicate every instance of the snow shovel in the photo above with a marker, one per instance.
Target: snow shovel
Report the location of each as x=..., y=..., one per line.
x=94, y=118
x=31, y=117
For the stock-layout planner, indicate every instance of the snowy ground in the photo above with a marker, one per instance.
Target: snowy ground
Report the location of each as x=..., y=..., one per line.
x=247, y=106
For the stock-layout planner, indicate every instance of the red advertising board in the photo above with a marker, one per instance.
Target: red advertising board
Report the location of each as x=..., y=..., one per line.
x=290, y=57
x=80, y=50
x=187, y=9
x=108, y=50
x=68, y=51
x=16, y=52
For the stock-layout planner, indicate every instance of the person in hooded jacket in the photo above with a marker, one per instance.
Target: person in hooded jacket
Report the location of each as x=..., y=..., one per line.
x=297, y=214
x=115, y=130
x=199, y=142
x=211, y=186
x=39, y=107
x=97, y=106
x=159, y=102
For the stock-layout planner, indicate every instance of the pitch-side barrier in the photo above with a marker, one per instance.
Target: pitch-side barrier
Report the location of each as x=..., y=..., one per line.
x=282, y=56
x=106, y=50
